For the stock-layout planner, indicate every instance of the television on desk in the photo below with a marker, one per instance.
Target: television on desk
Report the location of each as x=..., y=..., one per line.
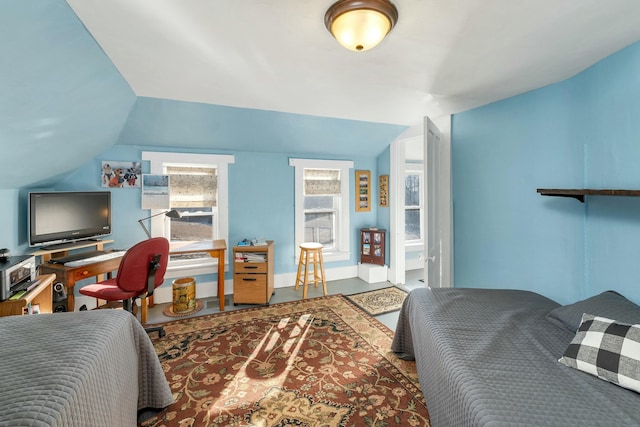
x=57, y=217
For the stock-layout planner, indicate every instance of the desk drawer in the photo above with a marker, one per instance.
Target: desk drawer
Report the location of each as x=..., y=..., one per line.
x=90, y=270
x=250, y=267
x=250, y=289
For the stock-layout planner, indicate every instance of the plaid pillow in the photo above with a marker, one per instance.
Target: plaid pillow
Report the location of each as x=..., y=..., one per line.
x=607, y=349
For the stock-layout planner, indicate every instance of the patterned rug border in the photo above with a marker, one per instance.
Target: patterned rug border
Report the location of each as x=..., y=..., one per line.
x=348, y=297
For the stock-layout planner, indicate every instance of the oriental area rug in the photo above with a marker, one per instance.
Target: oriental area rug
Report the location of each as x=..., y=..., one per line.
x=315, y=362
x=380, y=301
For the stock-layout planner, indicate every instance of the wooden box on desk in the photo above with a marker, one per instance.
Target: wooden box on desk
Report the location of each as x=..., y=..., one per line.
x=253, y=281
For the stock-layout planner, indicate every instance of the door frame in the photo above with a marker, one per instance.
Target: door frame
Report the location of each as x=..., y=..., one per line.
x=397, y=261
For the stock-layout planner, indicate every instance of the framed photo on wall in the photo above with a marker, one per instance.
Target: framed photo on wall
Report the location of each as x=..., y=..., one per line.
x=363, y=191
x=384, y=190
x=115, y=174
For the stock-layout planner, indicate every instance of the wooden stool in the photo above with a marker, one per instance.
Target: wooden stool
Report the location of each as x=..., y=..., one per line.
x=310, y=255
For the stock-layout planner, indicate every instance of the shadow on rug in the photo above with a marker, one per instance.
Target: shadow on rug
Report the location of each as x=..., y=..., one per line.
x=317, y=362
x=380, y=301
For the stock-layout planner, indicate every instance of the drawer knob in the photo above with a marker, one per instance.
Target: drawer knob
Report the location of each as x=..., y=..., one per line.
x=249, y=280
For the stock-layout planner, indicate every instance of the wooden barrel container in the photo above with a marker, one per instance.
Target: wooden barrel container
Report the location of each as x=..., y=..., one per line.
x=184, y=295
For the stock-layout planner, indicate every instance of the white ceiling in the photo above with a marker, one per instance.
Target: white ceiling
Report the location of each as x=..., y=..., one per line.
x=443, y=56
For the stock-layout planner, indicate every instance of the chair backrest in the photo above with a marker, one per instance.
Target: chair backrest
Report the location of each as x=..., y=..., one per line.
x=134, y=267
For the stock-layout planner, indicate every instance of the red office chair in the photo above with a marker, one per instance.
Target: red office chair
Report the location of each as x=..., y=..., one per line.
x=141, y=270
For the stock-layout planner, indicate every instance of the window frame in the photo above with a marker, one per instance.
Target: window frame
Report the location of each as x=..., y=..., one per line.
x=343, y=238
x=415, y=169
x=157, y=161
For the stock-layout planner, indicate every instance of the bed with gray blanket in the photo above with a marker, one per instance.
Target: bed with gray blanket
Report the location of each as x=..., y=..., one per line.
x=91, y=368
x=491, y=358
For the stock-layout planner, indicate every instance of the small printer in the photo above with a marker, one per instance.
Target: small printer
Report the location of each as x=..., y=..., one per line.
x=14, y=271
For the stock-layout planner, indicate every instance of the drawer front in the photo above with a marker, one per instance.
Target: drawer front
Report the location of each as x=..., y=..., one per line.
x=91, y=270
x=250, y=280
x=250, y=288
x=250, y=267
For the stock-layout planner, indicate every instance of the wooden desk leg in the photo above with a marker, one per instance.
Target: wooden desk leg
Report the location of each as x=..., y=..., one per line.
x=221, y=279
x=70, y=297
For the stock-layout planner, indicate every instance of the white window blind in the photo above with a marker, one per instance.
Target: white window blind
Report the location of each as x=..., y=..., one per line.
x=192, y=187
x=322, y=182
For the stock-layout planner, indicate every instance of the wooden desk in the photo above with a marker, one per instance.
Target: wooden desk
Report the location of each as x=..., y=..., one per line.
x=41, y=295
x=70, y=275
x=214, y=248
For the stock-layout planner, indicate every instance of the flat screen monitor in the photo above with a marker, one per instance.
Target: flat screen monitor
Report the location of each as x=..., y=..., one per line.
x=67, y=216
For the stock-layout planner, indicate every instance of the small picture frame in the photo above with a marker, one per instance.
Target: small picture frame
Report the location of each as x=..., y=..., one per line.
x=363, y=191
x=115, y=174
x=384, y=190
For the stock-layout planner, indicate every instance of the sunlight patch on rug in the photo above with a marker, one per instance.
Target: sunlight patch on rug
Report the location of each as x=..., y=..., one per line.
x=379, y=301
x=317, y=362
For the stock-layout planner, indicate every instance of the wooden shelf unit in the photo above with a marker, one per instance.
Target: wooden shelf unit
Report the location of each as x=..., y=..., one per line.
x=372, y=243
x=579, y=194
x=41, y=295
x=63, y=249
x=253, y=282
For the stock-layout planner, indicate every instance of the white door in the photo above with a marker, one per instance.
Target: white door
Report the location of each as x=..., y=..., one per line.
x=433, y=238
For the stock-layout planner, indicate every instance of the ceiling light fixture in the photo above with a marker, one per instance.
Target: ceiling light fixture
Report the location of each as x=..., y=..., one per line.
x=360, y=25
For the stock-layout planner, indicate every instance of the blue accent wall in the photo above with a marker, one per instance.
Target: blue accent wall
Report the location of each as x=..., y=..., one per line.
x=261, y=201
x=579, y=133
x=62, y=100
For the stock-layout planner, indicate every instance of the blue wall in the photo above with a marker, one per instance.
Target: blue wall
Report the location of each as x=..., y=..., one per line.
x=579, y=133
x=62, y=100
x=261, y=200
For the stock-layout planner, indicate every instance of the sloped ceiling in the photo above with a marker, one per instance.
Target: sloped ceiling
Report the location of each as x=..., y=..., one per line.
x=75, y=72
x=443, y=56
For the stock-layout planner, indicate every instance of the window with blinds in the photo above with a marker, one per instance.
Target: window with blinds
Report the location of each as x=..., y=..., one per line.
x=322, y=190
x=193, y=192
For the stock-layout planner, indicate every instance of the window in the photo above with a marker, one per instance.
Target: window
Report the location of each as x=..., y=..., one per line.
x=413, y=205
x=193, y=192
x=198, y=188
x=322, y=205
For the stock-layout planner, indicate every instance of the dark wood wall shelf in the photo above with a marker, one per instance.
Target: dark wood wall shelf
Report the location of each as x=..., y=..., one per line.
x=580, y=193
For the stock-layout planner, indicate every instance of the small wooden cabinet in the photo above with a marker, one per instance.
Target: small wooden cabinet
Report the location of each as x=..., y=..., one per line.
x=41, y=296
x=372, y=241
x=253, y=274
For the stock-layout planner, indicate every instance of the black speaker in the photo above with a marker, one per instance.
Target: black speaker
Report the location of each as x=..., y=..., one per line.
x=60, y=307
x=59, y=293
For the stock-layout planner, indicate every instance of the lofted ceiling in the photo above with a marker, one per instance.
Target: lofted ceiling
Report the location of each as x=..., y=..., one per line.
x=443, y=56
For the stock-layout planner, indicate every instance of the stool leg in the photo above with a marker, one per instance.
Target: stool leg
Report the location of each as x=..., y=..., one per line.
x=299, y=269
x=316, y=276
x=306, y=276
x=324, y=281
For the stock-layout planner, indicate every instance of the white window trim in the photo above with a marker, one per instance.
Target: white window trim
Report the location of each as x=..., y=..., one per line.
x=344, y=241
x=416, y=169
x=157, y=161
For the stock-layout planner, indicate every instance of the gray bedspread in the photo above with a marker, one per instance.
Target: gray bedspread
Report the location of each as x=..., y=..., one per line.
x=92, y=368
x=490, y=358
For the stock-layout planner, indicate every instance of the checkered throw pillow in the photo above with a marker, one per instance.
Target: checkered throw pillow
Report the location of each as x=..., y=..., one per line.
x=606, y=349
